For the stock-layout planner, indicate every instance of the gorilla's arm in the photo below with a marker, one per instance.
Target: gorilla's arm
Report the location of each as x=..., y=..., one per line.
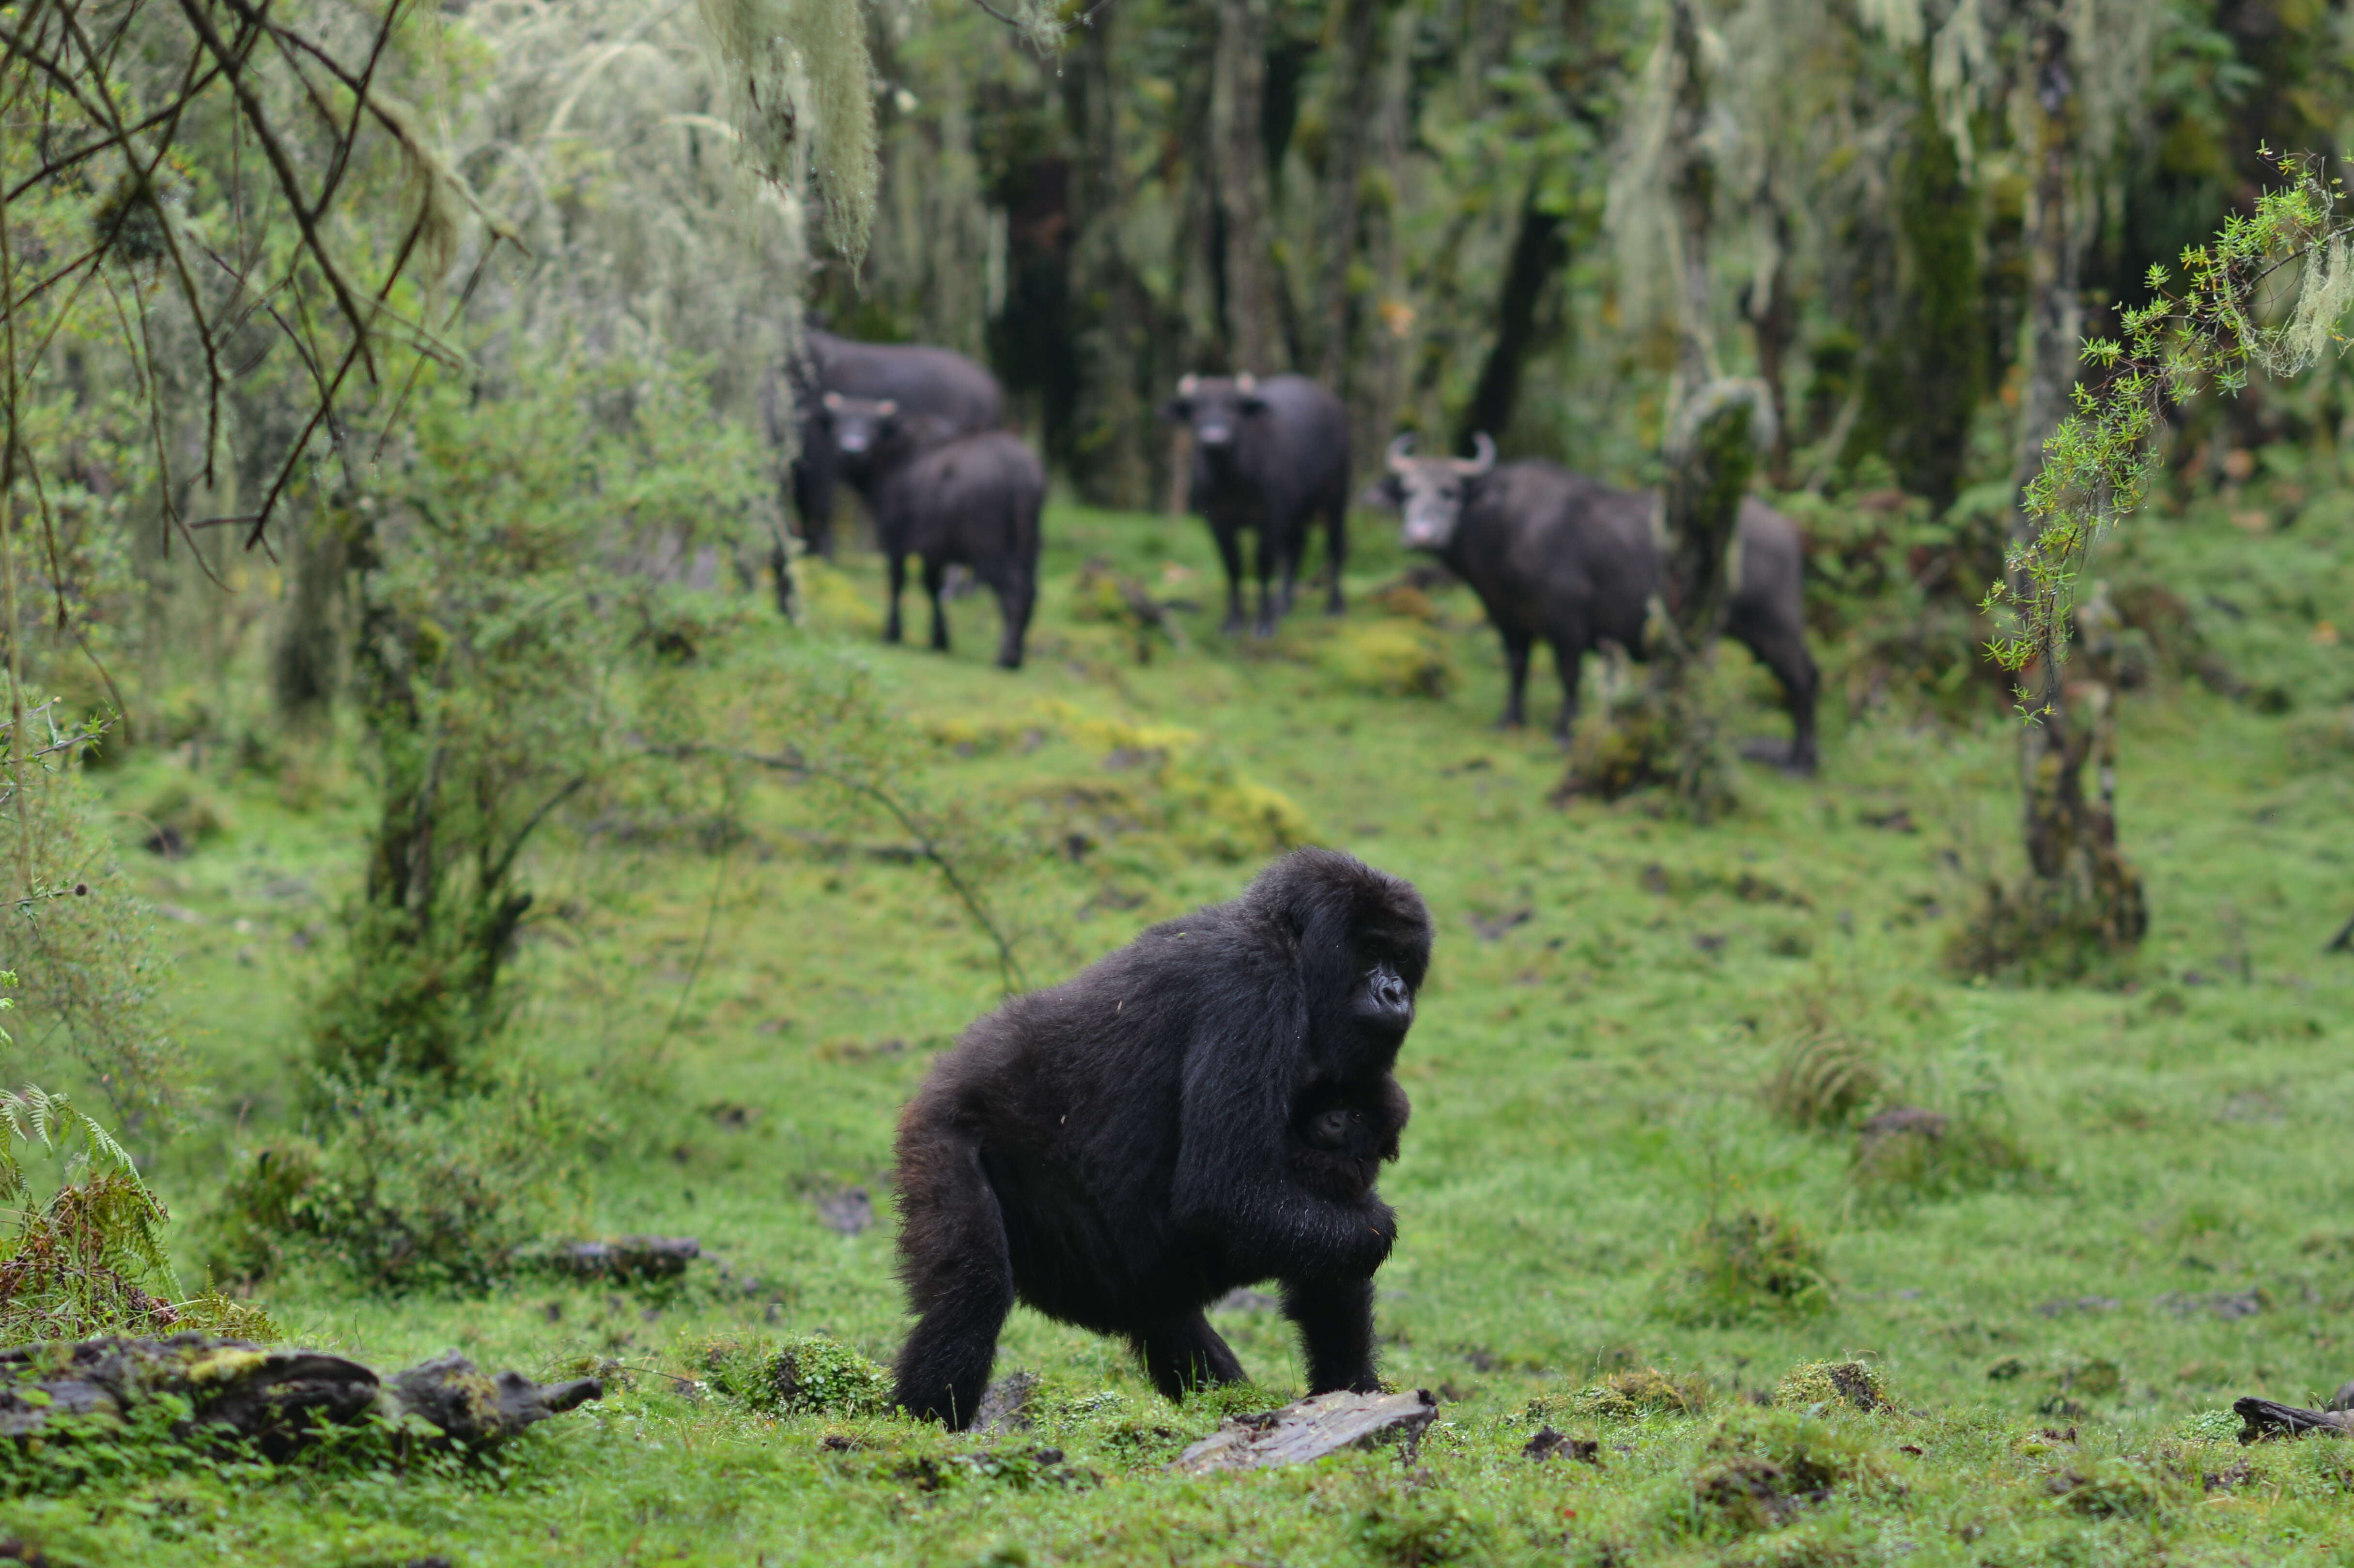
x=1233, y=1179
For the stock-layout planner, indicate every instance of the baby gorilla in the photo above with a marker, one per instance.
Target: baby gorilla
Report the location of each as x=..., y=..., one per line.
x=1207, y=1107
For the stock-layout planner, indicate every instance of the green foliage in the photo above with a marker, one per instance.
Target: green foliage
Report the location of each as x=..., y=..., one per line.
x=808, y=1374
x=84, y=942
x=1393, y=657
x=1744, y=1266
x=406, y=1192
x=1639, y=1392
x=1856, y=1385
x=2227, y=320
x=1760, y=1471
x=492, y=676
x=87, y=1254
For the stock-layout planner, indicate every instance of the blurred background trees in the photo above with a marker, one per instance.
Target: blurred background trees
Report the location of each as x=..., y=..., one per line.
x=430, y=347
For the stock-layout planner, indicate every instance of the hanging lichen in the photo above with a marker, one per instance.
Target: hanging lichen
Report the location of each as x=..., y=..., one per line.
x=801, y=91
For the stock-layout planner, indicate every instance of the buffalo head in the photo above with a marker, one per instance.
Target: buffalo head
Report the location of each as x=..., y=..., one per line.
x=1216, y=408
x=860, y=424
x=1429, y=492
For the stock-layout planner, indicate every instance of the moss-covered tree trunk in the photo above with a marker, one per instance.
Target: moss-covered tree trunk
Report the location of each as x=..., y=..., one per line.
x=1353, y=103
x=1109, y=310
x=1242, y=214
x=1668, y=735
x=2081, y=901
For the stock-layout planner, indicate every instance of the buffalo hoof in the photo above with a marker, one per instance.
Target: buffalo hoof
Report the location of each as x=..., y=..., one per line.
x=1781, y=756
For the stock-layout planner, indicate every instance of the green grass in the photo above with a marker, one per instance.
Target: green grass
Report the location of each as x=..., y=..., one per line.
x=1611, y=992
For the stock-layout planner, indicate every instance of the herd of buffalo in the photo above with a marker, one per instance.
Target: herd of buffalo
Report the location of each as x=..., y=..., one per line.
x=1554, y=556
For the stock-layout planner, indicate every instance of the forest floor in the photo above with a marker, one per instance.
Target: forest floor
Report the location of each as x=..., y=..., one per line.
x=2061, y=1338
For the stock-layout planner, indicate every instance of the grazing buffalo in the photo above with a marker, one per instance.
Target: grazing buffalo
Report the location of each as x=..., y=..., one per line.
x=934, y=383
x=1269, y=456
x=1558, y=557
x=950, y=499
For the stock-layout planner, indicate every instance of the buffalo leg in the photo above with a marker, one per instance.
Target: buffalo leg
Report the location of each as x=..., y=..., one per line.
x=1230, y=551
x=1185, y=1353
x=959, y=1281
x=936, y=576
x=1336, y=1332
x=1336, y=553
x=1016, y=594
x=1566, y=662
x=895, y=566
x=1516, y=681
x=1265, y=562
x=1785, y=653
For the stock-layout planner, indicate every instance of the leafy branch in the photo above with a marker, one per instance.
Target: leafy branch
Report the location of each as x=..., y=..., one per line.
x=2228, y=317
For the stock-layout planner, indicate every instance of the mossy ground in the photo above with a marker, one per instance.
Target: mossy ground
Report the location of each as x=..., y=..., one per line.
x=1612, y=989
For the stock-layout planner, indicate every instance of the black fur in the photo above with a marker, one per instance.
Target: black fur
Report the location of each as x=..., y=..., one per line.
x=1556, y=558
x=935, y=383
x=950, y=500
x=1270, y=456
x=1207, y=1107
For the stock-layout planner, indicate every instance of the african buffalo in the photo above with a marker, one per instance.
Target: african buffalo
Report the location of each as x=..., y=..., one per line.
x=952, y=499
x=1557, y=556
x=937, y=383
x=1268, y=456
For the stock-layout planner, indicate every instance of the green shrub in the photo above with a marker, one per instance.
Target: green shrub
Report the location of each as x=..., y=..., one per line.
x=1747, y=1266
x=808, y=1374
x=1758, y=1472
x=1824, y=1080
x=1391, y=658
x=403, y=1192
x=1644, y=1391
x=1855, y=1384
x=85, y=1254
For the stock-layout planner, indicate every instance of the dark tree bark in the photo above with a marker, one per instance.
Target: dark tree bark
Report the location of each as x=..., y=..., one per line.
x=1253, y=318
x=1356, y=103
x=2080, y=885
x=1112, y=416
x=1539, y=250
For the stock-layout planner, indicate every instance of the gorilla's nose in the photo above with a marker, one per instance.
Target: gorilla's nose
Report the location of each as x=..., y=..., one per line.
x=1391, y=993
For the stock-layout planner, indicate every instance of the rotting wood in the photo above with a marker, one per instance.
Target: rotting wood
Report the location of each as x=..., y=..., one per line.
x=2262, y=1418
x=276, y=1399
x=629, y=1258
x=1310, y=1428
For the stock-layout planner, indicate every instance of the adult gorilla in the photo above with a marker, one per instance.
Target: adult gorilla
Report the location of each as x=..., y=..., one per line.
x=1205, y=1108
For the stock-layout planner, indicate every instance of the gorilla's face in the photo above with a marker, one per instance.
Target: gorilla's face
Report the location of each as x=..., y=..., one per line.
x=1385, y=1002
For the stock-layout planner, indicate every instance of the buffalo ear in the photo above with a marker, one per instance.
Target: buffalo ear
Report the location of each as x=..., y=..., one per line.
x=1384, y=491
x=886, y=408
x=833, y=401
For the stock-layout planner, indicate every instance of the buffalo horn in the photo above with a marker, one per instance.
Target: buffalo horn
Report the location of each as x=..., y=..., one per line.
x=1473, y=467
x=1401, y=450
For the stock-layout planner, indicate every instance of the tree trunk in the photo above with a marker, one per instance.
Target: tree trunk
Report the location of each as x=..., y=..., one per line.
x=1112, y=419
x=1252, y=319
x=1538, y=251
x=1355, y=101
x=2080, y=887
x=1666, y=735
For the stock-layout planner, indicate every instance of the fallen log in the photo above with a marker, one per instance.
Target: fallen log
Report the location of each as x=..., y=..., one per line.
x=2261, y=1418
x=275, y=1400
x=1309, y=1429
